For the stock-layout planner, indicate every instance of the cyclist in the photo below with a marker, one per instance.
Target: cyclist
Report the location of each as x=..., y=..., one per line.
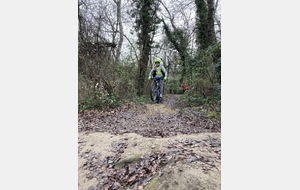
x=184, y=86
x=159, y=70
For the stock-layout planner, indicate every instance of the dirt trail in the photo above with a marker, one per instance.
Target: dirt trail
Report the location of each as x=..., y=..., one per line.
x=153, y=109
x=171, y=100
x=179, y=173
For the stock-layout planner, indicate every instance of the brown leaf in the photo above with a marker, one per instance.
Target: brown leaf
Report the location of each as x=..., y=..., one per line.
x=132, y=178
x=152, y=169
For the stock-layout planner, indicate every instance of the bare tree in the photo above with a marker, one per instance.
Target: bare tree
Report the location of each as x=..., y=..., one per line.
x=217, y=19
x=119, y=22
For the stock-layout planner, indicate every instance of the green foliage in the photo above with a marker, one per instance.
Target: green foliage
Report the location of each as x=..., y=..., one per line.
x=140, y=99
x=96, y=99
x=217, y=88
x=177, y=37
x=125, y=80
x=203, y=81
x=209, y=106
x=93, y=96
x=179, y=41
x=174, y=86
x=204, y=70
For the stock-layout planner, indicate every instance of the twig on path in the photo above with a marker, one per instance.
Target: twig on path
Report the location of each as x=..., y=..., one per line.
x=171, y=142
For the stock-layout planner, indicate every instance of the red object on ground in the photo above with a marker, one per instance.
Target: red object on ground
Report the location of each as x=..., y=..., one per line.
x=184, y=87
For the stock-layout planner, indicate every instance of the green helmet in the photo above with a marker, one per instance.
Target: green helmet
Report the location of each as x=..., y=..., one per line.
x=157, y=60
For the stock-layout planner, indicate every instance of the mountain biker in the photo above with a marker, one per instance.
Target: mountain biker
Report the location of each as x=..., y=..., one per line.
x=159, y=70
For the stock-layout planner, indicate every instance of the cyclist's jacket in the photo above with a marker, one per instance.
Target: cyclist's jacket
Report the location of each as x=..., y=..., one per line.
x=160, y=71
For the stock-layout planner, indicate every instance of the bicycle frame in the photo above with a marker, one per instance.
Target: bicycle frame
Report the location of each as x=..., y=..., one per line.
x=157, y=80
x=157, y=89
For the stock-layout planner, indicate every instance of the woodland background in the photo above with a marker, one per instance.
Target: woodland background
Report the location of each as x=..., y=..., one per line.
x=119, y=40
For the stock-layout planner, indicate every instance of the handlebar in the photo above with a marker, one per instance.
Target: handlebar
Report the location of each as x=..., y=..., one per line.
x=157, y=77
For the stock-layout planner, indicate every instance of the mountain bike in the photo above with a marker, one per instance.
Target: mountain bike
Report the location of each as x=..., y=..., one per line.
x=155, y=89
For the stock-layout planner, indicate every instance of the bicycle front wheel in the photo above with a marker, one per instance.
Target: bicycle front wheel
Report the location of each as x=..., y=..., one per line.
x=157, y=93
x=153, y=91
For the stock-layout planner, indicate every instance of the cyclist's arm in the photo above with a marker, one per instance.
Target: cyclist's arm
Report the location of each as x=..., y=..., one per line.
x=164, y=70
x=151, y=72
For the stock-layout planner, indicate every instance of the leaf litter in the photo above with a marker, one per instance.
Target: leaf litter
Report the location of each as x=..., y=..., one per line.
x=138, y=175
x=160, y=125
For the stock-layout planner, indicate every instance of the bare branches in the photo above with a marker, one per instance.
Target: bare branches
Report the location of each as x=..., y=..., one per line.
x=171, y=17
x=119, y=21
x=136, y=56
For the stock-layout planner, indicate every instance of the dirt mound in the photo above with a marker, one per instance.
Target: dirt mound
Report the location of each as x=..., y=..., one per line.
x=189, y=176
x=178, y=173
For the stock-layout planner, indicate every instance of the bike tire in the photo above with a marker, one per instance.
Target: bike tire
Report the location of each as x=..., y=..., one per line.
x=152, y=91
x=157, y=95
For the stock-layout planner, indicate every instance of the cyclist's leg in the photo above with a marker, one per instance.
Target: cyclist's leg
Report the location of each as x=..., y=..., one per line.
x=156, y=91
x=161, y=87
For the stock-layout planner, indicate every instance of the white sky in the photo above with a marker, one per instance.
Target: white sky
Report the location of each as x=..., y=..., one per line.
x=189, y=11
x=188, y=8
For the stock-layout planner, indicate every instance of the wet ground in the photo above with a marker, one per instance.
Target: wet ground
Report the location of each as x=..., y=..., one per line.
x=148, y=146
x=148, y=120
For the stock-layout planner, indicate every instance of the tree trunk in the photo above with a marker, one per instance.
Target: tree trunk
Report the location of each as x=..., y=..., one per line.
x=119, y=21
x=201, y=23
x=142, y=71
x=146, y=28
x=210, y=22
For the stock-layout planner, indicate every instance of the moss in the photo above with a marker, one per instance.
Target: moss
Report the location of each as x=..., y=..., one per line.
x=152, y=185
x=135, y=156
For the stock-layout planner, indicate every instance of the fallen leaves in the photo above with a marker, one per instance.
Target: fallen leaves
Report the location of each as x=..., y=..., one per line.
x=137, y=175
x=126, y=120
x=132, y=176
x=159, y=125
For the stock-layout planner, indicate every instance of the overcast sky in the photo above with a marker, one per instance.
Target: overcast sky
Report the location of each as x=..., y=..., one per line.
x=175, y=7
x=189, y=11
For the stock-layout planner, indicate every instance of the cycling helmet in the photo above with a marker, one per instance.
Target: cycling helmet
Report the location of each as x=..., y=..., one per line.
x=157, y=60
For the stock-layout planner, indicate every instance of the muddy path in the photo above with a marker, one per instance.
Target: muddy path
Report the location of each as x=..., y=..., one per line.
x=148, y=146
x=171, y=100
x=148, y=120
